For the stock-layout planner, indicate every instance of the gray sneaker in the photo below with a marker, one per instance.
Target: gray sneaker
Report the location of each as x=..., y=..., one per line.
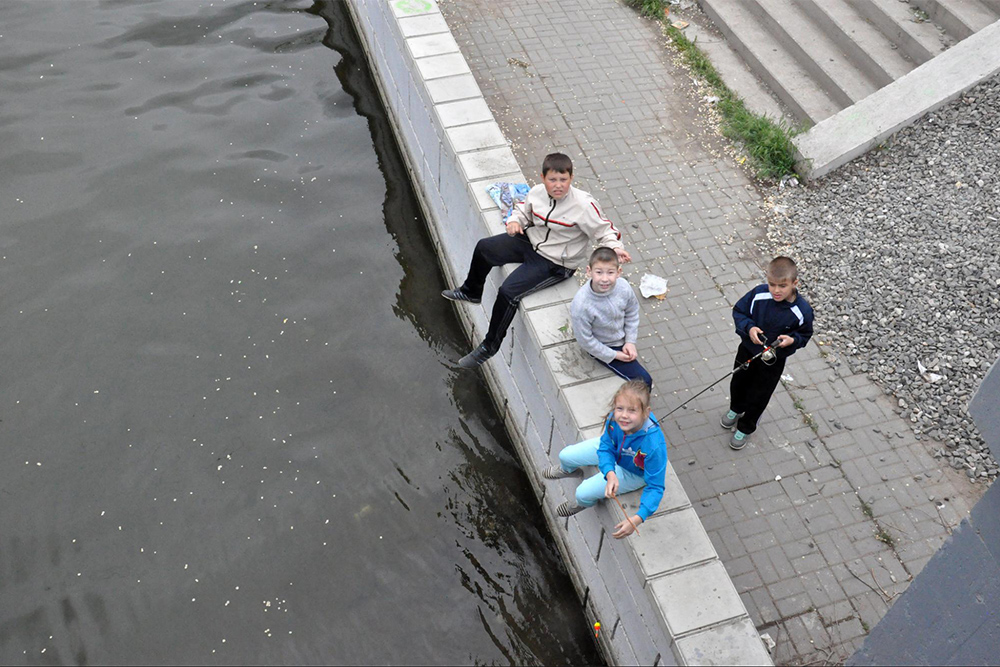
x=739, y=440
x=476, y=358
x=567, y=510
x=459, y=295
x=556, y=472
x=729, y=422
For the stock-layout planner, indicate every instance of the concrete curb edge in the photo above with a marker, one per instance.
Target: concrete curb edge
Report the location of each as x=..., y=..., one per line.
x=656, y=606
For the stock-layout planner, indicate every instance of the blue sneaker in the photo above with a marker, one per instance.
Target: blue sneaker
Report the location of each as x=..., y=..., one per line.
x=739, y=440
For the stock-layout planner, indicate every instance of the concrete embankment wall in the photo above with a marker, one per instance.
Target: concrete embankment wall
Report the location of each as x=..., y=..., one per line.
x=664, y=598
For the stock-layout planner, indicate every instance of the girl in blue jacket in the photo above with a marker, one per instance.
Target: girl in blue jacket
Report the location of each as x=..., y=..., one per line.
x=631, y=453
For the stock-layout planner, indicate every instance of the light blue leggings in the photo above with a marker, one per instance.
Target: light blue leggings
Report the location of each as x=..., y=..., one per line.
x=592, y=489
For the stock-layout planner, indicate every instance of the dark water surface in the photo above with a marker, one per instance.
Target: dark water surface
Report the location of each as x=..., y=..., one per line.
x=230, y=427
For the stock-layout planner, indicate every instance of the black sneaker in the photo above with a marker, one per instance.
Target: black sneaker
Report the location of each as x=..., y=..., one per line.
x=476, y=358
x=567, y=510
x=459, y=295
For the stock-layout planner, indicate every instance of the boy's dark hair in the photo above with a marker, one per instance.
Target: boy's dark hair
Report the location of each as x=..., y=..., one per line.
x=604, y=254
x=557, y=162
x=783, y=268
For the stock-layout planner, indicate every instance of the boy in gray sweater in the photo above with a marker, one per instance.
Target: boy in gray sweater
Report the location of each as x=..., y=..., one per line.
x=605, y=315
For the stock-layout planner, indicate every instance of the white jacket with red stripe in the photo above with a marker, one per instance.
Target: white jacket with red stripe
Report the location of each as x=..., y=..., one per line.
x=563, y=230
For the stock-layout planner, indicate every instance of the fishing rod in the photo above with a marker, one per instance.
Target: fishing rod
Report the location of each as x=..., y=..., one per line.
x=622, y=508
x=766, y=355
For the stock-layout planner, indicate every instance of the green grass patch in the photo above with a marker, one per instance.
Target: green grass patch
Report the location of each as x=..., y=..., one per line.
x=651, y=8
x=866, y=509
x=767, y=143
x=883, y=536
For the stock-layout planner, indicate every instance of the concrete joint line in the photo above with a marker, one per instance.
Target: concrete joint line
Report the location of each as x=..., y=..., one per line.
x=672, y=510
x=687, y=566
x=712, y=626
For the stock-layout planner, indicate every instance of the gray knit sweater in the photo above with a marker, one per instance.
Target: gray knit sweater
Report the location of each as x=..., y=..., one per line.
x=603, y=320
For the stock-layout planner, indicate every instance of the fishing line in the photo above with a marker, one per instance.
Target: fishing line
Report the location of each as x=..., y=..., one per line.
x=766, y=356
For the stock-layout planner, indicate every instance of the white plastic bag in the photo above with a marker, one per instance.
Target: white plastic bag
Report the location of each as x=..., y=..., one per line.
x=651, y=285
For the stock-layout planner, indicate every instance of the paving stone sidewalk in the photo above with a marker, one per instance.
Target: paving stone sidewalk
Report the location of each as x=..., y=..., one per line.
x=825, y=517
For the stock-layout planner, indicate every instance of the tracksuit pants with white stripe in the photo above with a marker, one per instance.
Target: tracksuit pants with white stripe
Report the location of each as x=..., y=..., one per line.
x=535, y=273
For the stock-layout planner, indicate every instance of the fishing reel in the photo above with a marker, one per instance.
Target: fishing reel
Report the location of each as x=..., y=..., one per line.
x=768, y=356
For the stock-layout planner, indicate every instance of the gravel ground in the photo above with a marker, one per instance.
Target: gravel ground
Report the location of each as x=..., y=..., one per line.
x=900, y=255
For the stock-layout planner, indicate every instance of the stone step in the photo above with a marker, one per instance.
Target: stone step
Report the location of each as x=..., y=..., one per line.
x=756, y=95
x=769, y=60
x=960, y=18
x=869, y=49
x=814, y=50
x=897, y=21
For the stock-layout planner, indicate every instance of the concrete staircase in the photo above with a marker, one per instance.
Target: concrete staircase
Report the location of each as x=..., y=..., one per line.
x=821, y=56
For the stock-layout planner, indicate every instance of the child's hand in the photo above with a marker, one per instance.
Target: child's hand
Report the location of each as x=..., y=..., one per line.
x=785, y=341
x=611, y=490
x=622, y=356
x=755, y=335
x=626, y=527
x=623, y=255
x=630, y=352
x=514, y=228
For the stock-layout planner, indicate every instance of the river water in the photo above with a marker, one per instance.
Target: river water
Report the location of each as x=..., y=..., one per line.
x=231, y=427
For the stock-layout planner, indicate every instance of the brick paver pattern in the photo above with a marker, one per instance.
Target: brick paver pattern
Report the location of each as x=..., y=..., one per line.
x=825, y=517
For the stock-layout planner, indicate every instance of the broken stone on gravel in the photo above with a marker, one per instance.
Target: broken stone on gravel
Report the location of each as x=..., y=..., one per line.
x=898, y=253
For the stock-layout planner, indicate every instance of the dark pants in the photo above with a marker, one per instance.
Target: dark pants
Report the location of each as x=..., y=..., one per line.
x=750, y=390
x=535, y=273
x=629, y=370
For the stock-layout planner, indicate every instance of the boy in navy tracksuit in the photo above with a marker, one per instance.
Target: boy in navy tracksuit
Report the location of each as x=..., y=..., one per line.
x=774, y=314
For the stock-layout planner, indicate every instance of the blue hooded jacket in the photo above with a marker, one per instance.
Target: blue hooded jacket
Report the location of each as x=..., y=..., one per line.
x=642, y=453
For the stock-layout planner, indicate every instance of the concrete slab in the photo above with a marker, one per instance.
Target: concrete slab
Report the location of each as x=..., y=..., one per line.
x=465, y=112
x=436, y=67
x=589, y=402
x=674, y=495
x=682, y=531
x=564, y=291
x=696, y=598
x=477, y=136
x=736, y=643
x=450, y=88
x=853, y=131
x=551, y=325
x=425, y=24
x=432, y=45
x=487, y=163
x=571, y=365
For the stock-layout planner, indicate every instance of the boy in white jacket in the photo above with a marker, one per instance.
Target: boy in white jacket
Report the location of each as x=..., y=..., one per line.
x=550, y=234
